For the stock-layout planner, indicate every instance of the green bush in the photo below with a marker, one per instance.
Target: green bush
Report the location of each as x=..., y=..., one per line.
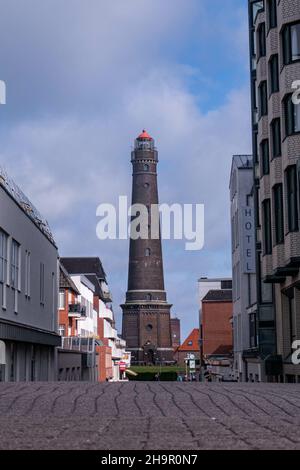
x=164, y=376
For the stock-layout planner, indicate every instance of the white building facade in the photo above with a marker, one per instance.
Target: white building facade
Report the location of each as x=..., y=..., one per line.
x=246, y=365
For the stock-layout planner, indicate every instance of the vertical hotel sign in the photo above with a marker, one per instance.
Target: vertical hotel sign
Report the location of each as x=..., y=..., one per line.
x=248, y=240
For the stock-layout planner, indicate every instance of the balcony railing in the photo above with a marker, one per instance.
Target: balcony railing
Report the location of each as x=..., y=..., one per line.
x=76, y=343
x=77, y=310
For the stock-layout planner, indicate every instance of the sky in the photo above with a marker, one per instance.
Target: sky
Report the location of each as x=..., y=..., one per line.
x=84, y=78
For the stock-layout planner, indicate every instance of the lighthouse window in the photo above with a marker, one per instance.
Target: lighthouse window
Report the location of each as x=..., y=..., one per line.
x=146, y=167
x=146, y=185
x=149, y=327
x=147, y=252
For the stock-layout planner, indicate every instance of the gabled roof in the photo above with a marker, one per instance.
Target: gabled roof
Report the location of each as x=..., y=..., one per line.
x=65, y=281
x=220, y=295
x=192, y=342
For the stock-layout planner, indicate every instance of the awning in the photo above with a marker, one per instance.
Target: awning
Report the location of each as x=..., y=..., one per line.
x=17, y=332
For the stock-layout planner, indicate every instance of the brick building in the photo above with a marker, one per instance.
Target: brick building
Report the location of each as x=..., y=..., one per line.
x=189, y=346
x=216, y=324
x=146, y=312
x=275, y=65
x=175, y=333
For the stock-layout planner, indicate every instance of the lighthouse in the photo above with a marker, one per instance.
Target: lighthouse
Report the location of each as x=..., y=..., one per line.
x=146, y=313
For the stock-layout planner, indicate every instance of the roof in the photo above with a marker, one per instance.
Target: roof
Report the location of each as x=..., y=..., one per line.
x=24, y=203
x=220, y=295
x=65, y=281
x=92, y=269
x=192, y=341
x=214, y=279
x=241, y=162
x=144, y=135
x=85, y=266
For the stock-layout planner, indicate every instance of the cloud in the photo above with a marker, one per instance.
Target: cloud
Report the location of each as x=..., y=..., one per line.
x=83, y=82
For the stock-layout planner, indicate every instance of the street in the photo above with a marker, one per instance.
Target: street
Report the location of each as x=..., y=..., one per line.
x=140, y=415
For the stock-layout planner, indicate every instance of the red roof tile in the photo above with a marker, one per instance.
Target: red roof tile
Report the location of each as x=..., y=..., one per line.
x=192, y=341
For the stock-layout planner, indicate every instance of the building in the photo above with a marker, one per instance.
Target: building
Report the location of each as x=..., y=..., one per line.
x=28, y=289
x=77, y=357
x=89, y=277
x=206, y=284
x=247, y=365
x=175, y=333
x=216, y=324
x=70, y=310
x=189, y=346
x=146, y=312
x=274, y=61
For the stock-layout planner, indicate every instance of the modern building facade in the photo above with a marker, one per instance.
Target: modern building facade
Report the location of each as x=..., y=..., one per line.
x=146, y=312
x=28, y=289
x=98, y=321
x=275, y=66
x=246, y=365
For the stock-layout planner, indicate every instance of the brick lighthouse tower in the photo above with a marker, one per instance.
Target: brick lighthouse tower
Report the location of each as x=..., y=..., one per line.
x=146, y=312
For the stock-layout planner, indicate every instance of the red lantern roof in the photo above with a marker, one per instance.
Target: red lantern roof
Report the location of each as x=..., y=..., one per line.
x=144, y=135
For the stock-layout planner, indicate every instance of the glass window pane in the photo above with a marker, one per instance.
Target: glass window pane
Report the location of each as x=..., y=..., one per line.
x=295, y=41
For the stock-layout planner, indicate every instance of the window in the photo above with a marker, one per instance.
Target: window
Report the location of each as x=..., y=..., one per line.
x=257, y=7
x=42, y=283
x=291, y=43
x=253, y=330
x=276, y=138
x=27, y=273
x=261, y=32
x=274, y=74
x=255, y=147
x=263, y=99
x=3, y=256
x=147, y=252
x=62, y=330
x=265, y=161
x=3, y=265
x=15, y=265
x=267, y=229
x=292, y=204
x=272, y=14
x=61, y=300
x=278, y=213
x=292, y=116
x=190, y=343
x=146, y=167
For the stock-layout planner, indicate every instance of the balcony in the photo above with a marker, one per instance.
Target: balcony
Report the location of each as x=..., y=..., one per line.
x=80, y=344
x=107, y=314
x=77, y=311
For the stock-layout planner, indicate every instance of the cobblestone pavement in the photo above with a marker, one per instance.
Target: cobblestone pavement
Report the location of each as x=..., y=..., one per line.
x=150, y=415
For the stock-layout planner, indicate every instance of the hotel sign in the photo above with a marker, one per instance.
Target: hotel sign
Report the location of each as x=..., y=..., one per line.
x=248, y=240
